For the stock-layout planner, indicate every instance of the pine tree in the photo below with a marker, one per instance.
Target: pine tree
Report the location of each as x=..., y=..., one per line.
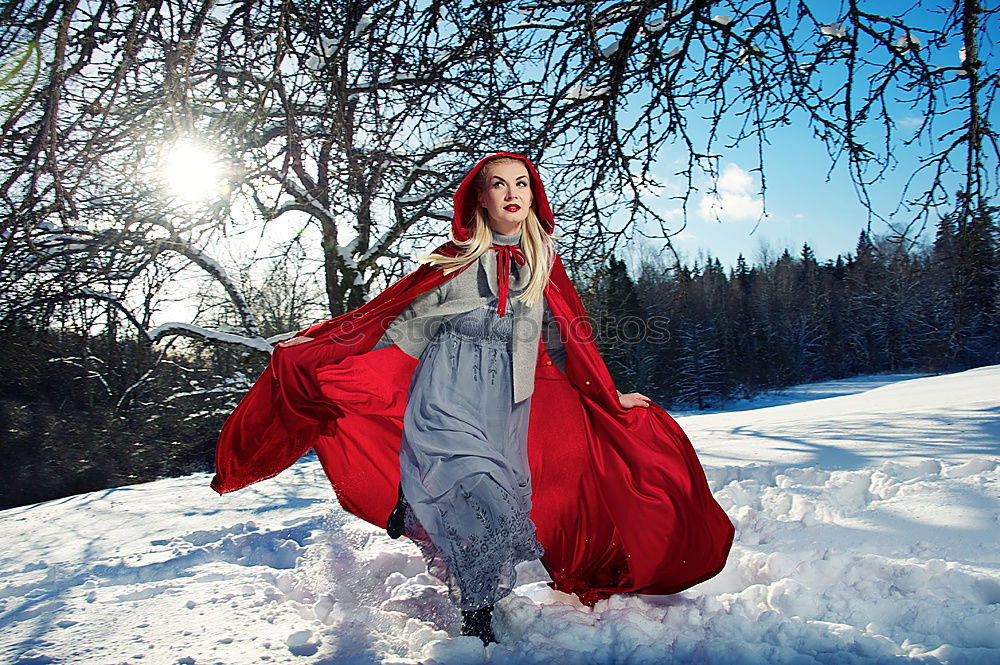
x=700, y=380
x=744, y=331
x=864, y=250
x=964, y=272
x=864, y=349
x=978, y=281
x=807, y=256
x=622, y=325
x=742, y=272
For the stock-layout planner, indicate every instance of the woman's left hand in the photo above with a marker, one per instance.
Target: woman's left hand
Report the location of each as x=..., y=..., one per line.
x=628, y=400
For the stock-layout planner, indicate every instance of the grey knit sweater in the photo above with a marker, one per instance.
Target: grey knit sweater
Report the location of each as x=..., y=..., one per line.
x=472, y=288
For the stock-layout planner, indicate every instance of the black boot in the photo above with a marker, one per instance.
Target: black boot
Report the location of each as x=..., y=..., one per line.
x=394, y=525
x=479, y=623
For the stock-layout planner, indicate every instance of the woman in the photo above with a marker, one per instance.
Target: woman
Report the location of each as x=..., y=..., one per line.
x=442, y=368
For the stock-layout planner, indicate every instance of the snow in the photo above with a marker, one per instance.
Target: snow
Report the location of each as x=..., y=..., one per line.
x=656, y=26
x=190, y=330
x=298, y=191
x=866, y=513
x=611, y=48
x=747, y=51
x=834, y=31
x=907, y=43
x=585, y=92
x=363, y=24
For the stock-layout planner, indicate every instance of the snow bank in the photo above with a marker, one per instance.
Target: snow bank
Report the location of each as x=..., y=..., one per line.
x=867, y=530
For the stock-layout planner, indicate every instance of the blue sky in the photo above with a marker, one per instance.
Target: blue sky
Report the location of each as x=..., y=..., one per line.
x=806, y=202
x=803, y=205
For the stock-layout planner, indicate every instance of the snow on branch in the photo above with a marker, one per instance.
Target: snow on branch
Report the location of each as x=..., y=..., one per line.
x=197, y=332
x=212, y=267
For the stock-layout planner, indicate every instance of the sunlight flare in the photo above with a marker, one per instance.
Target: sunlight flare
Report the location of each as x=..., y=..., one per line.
x=191, y=172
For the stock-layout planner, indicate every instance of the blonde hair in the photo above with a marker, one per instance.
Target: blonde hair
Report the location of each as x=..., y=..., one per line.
x=535, y=243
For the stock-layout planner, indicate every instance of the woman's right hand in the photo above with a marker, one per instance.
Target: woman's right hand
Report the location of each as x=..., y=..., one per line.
x=294, y=341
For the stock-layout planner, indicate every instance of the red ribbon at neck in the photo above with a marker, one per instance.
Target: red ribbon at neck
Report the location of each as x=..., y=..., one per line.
x=505, y=252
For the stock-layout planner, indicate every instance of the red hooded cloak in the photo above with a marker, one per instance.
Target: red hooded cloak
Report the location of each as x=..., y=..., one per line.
x=619, y=499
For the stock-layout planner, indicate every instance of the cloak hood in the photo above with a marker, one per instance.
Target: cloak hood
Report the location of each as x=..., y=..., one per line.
x=465, y=200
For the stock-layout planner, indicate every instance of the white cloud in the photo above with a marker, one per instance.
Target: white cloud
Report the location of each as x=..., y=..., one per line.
x=736, y=200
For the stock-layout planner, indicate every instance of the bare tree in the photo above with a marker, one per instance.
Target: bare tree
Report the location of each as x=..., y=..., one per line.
x=357, y=119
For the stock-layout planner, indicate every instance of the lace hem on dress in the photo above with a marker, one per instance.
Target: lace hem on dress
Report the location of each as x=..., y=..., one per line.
x=478, y=568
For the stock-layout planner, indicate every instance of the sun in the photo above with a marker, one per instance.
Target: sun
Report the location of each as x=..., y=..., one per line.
x=191, y=172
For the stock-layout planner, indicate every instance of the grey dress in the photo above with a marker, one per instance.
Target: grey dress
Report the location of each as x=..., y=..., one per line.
x=463, y=458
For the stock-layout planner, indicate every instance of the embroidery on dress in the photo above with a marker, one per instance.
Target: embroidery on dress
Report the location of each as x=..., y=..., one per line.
x=482, y=566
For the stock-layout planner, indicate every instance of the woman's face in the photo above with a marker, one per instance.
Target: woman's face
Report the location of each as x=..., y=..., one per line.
x=507, y=196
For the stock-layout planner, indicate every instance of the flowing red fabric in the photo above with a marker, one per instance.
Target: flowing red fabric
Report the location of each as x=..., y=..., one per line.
x=619, y=499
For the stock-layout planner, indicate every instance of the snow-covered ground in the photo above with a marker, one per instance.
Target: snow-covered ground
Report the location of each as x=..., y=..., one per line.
x=867, y=532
